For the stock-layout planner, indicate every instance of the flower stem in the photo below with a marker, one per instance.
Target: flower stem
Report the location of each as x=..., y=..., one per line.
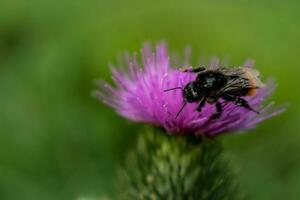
x=162, y=166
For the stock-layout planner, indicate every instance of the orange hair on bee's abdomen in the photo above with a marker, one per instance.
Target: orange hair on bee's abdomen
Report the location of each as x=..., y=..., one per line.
x=252, y=76
x=251, y=92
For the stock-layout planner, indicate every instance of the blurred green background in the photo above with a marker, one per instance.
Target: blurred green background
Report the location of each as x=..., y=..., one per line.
x=57, y=142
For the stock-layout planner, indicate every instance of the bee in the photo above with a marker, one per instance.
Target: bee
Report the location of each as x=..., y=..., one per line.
x=211, y=85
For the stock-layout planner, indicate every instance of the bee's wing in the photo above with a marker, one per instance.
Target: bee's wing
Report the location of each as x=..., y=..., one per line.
x=241, y=81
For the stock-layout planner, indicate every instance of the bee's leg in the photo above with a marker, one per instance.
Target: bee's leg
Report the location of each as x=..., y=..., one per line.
x=243, y=103
x=201, y=104
x=193, y=70
x=240, y=102
x=218, y=112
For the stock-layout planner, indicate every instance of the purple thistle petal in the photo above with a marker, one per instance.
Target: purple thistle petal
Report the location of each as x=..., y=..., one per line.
x=249, y=63
x=139, y=96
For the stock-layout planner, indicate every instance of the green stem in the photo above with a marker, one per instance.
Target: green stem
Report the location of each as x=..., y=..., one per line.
x=177, y=167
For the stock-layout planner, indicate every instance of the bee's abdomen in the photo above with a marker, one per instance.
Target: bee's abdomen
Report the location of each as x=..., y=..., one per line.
x=251, y=92
x=253, y=81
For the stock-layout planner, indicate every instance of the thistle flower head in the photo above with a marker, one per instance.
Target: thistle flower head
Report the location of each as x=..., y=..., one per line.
x=139, y=95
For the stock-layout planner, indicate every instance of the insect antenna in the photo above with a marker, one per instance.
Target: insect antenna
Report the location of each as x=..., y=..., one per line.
x=183, y=105
x=170, y=89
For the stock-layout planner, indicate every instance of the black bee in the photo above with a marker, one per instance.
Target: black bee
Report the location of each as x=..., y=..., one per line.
x=229, y=84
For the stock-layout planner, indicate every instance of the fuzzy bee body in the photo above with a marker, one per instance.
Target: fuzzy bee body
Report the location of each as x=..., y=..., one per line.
x=229, y=84
x=242, y=81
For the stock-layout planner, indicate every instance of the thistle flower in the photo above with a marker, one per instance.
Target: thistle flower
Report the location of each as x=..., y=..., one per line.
x=139, y=96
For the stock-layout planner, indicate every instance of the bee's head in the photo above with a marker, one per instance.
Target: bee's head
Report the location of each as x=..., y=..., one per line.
x=190, y=93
